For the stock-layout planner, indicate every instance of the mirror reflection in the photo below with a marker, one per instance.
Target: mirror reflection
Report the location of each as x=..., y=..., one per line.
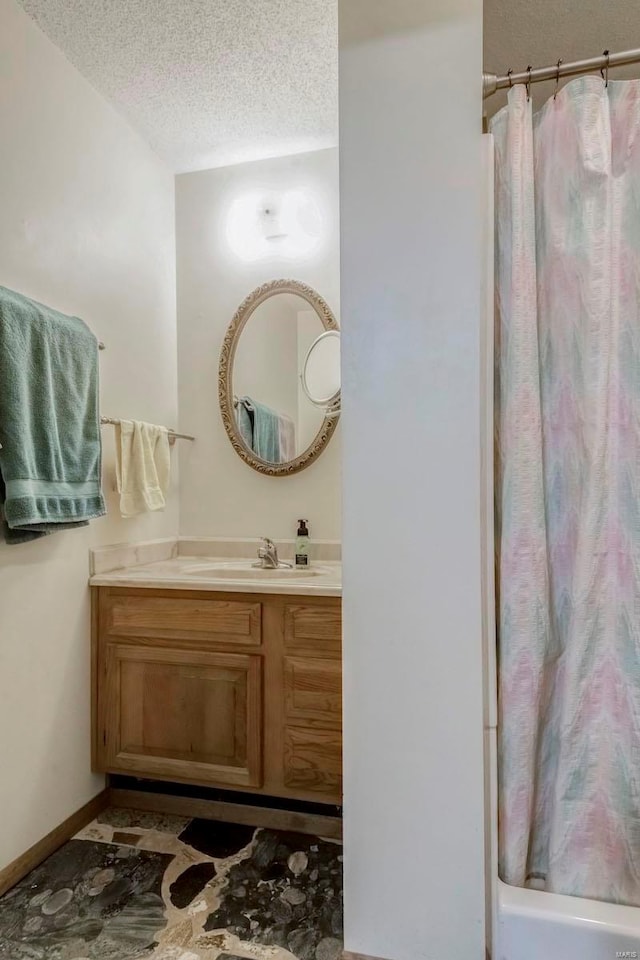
x=275, y=416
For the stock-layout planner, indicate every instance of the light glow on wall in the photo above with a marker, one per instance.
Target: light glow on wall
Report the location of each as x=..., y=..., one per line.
x=287, y=225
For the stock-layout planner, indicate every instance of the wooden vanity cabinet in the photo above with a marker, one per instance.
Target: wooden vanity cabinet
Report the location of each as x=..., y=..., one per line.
x=231, y=690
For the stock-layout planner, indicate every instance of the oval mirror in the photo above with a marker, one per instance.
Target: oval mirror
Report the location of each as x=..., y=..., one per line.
x=276, y=365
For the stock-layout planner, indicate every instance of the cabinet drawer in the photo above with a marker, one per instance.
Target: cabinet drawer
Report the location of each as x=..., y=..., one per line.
x=314, y=629
x=218, y=621
x=313, y=761
x=313, y=691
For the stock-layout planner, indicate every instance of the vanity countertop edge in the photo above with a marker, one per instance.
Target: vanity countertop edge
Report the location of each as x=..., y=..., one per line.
x=156, y=580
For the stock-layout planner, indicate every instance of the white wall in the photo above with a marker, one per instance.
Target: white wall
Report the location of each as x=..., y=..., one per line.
x=87, y=226
x=220, y=494
x=411, y=263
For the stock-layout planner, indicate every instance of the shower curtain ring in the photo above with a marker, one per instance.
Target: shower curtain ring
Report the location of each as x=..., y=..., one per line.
x=604, y=71
x=557, y=77
x=529, y=68
x=509, y=73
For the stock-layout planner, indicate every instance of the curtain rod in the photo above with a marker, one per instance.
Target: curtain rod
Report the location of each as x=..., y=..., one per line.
x=491, y=82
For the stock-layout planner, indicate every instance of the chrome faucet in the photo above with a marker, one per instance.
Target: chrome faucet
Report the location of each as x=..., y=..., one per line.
x=268, y=556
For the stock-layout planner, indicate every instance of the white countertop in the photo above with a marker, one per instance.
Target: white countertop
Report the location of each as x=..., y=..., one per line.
x=324, y=578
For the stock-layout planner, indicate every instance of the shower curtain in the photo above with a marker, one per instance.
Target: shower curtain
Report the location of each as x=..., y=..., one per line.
x=568, y=489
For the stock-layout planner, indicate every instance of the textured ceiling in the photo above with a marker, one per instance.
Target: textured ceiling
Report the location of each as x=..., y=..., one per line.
x=522, y=32
x=208, y=82
x=213, y=82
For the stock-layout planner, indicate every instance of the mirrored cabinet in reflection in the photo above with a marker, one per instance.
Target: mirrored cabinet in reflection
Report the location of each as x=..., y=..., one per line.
x=279, y=377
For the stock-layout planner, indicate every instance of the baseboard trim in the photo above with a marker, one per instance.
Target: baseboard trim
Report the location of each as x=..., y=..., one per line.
x=34, y=856
x=315, y=824
x=347, y=955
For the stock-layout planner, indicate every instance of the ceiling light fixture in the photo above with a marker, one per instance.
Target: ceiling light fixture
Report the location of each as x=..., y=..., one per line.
x=288, y=226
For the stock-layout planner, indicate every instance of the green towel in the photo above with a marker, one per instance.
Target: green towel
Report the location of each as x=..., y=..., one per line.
x=50, y=456
x=266, y=430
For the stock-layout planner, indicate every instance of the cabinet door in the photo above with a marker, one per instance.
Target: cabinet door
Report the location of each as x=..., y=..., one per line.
x=184, y=715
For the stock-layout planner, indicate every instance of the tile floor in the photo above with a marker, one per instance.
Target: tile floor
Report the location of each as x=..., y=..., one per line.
x=136, y=885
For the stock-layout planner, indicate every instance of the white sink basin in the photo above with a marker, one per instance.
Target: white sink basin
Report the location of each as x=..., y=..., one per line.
x=244, y=570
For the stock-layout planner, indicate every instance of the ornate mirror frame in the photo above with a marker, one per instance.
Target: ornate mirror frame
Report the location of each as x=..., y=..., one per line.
x=225, y=377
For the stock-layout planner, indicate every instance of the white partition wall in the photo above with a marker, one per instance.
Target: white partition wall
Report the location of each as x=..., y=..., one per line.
x=411, y=240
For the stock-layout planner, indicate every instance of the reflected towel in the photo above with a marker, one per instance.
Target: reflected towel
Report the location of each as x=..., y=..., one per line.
x=265, y=441
x=143, y=463
x=286, y=438
x=50, y=453
x=244, y=420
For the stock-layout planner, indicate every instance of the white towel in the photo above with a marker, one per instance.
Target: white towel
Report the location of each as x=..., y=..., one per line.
x=143, y=463
x=287, y=438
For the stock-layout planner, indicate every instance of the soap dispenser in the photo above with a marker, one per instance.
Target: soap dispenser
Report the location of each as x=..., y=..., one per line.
x=302, y=546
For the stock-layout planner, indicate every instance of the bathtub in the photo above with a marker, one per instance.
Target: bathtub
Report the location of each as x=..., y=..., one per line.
x=533, y=925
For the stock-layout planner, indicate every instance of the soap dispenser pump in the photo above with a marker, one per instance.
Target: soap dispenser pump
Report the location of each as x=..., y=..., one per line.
x=302, y=546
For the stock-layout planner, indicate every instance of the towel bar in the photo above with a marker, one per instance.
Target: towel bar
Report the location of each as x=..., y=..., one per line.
x=172, y=433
